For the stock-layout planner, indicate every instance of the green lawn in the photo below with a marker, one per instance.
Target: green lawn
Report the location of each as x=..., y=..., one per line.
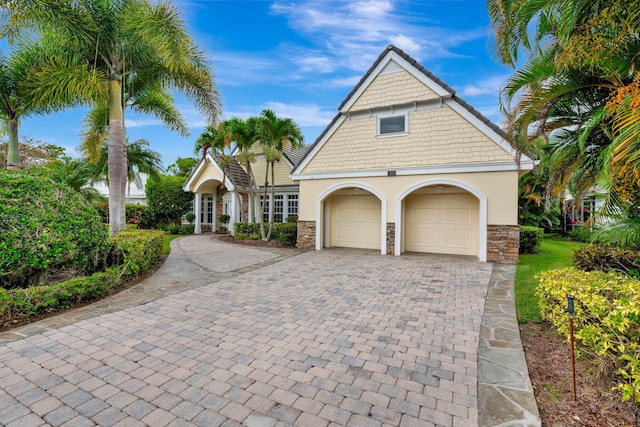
x=555, y=252
x=166, y=247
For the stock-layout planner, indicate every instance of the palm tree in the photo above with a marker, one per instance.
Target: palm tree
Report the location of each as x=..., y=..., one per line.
x=78, y=174
x=577, y=85
x=275, y=134
x=140, y=160
x=107, y=43
x=244, y=134
x=16, y=98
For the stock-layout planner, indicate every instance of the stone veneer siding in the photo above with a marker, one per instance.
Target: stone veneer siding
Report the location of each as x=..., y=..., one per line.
x=391, y=238
x=306, y=234
x=503, y=243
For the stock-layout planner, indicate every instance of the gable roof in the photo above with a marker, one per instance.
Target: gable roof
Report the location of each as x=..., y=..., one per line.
x=235, y=176
x=434, y=82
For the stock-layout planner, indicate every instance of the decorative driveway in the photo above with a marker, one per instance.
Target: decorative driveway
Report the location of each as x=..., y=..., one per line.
x=336, y=337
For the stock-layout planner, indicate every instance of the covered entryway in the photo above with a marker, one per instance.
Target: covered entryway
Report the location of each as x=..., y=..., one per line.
x=442, y=220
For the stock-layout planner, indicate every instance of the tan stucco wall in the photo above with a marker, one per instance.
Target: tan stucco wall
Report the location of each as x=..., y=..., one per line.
x=282, y=171
x=208, y=173
x=500, y=188
x=436, y=137
x=392, y=89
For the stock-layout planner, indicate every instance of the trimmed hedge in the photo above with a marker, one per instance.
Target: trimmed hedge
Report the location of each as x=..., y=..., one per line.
x=607, y=258
x=606, y=321
x=285, y=232
x=530, y=239
x=135, y=251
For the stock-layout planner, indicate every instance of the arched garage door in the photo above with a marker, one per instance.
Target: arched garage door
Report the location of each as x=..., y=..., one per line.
x=355, y=221
x=442, y=223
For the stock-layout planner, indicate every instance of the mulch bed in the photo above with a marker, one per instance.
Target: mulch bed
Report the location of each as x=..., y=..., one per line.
x=273, y=243
x=549, y=364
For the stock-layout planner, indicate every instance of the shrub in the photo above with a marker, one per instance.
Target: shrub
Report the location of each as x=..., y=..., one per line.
x=45, y=225
x=132, y=251
x=246, y=227
x=286, y=233
x=190, y=217
x=136, y=250
x=292, y=218
x=581, y=234
x=607, y=258
x=187, y=229
x=607, y=319
x=224, y=218
x=240, y=236
x=166, y=200
x=530, y=239
x=254, y=236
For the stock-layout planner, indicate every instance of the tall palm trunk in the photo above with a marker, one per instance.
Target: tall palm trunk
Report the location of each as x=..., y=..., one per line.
x=273, y=199
x=264, y=202
x=252, y=196
x=13, y=155
x=117, y=157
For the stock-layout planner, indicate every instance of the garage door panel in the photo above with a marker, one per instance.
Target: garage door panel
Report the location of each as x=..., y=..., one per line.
x=456, y=237
x=346, y=233
x=442, y=223
x=456, y=212
x=355, y=221
x=424, y=236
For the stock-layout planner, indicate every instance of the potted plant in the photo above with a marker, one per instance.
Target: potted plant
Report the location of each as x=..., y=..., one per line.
x=224, y=219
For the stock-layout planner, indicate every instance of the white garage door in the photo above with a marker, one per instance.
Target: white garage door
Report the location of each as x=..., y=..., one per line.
x=442, y=223
x=355, y=221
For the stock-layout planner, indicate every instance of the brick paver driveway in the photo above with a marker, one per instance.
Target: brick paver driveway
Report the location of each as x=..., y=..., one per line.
x=334, y=337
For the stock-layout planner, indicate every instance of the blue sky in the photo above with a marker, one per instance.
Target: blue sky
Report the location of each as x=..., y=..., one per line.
x=301, y=59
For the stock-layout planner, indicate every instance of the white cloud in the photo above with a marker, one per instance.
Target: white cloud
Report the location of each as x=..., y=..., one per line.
x=136, y=123
x=345, y=81
x=488, y=86
x=406, y=43
x=302, y=114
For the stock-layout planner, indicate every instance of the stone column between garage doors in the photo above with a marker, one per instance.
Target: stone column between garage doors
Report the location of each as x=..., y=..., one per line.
x=503, y=243
x=391, y=238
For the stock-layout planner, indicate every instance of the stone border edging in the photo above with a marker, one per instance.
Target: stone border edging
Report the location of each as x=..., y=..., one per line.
x=505, y=393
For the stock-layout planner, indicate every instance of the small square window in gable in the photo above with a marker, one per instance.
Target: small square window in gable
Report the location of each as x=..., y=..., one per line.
x=392, y=125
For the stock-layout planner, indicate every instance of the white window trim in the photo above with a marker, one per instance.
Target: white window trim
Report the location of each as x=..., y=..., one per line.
x=391, y=135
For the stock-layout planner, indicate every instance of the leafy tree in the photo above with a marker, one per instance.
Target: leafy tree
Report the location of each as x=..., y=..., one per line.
x=275, y=134
x=166, y=200
x=107, y=45
x=183, y=166
x=33, y=153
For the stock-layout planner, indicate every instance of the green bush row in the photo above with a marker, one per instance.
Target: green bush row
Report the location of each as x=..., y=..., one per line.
x=530, y=239
x=607, y=320
x=607, y=258
x=136, y=252
x=285, y=232
x=581, y=234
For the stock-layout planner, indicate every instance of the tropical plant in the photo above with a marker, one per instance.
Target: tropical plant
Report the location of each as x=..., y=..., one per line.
x=17, y=99
x=77, y=174
x=140, y=160
x=244, y=134
x=107, y=45
x=275, y=134
x=166, y=200
x=578, y=87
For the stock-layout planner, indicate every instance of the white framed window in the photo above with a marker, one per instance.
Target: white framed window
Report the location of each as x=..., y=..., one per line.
x=284, y=205
x=393, y=125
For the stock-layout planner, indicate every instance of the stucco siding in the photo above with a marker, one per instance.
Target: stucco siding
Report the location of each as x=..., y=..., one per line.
x=500, y=188
x=393, y=89
x=436, y=137
x=208, y=173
